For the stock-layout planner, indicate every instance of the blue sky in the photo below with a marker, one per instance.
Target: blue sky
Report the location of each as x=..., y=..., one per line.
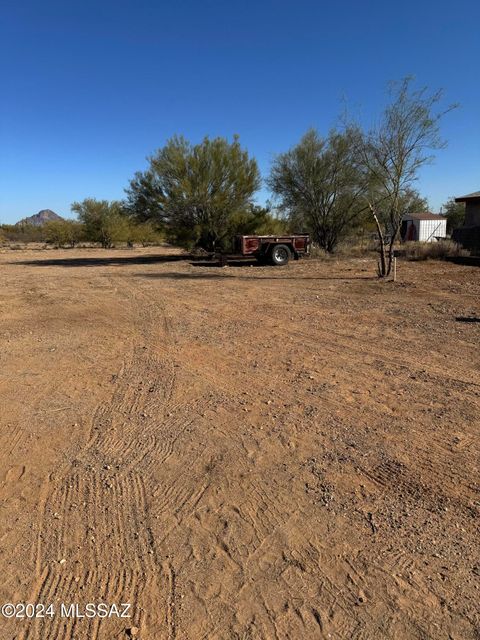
x=90, y=88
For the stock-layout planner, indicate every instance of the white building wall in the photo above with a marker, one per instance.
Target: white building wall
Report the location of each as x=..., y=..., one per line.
x=430, y=230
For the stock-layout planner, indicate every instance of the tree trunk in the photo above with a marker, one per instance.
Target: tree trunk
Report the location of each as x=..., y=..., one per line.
x=391, y=251
x=382, y=265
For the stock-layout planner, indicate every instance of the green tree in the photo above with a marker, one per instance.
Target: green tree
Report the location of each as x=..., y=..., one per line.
x=455, y=214
x=147, y=233
x=412, y=202
x=103, y=221
x=392, y=154
x=320, y=185
x=256, y=220
x=63, y=232
x=195, y=190
x=144, y=233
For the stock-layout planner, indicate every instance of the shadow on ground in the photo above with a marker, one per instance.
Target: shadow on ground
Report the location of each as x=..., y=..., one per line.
x=277, y=273
x=107, y=261
x=177, y=275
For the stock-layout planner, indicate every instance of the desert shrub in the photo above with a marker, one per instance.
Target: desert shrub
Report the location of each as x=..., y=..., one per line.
x=102, y=221
x=357, y=246
x=63, y=232
x=22, y=233
x=146, y=233
x=432, y=250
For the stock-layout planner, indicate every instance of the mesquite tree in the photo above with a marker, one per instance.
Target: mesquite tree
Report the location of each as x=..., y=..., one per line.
x=194, y=191
x=102, y=221
x=392, y=154
x=320, y=183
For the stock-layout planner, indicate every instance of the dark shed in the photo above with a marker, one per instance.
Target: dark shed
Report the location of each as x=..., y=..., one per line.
x=469, y=235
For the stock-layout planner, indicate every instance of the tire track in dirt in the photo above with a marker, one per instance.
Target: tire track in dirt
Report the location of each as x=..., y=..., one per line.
x=95, y=517
x=432, y=462
x=232, y=554
x=10, y=438
x=342, y=344
x=138, y=428
x=435, y=459
x=102, y=526
x=97, y=585
x=99, y=515
x=336, y=610
x=148, y=442
x=435, y=462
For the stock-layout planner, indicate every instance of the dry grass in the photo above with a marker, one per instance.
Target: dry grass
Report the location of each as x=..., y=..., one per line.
x=346, y=249
x=432, y=250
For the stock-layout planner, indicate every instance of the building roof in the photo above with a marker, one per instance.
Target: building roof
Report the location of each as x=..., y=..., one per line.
x=470, y=196
x=423, y=216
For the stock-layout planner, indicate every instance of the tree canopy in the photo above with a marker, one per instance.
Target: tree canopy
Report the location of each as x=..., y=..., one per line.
x=319, y=183
x=64, y=232
x=393, y=153
x=103, y=221
x=195, y=190
x=455, y=214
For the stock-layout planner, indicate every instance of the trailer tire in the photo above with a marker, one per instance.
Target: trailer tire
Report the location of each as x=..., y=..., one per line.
x=280, y=254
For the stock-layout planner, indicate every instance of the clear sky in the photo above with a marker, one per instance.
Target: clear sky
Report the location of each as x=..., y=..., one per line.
x=90, y=88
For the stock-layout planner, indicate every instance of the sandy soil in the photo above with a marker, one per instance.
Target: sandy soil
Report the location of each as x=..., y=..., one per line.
x=240, y=453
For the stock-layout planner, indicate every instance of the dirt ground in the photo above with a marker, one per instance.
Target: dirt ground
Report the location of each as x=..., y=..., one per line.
x=239, y=453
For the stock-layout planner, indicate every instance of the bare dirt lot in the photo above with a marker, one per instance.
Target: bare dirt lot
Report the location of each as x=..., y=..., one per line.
x=240, y=453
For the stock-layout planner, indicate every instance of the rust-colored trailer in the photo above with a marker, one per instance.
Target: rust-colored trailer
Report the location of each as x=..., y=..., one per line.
x=276, y=250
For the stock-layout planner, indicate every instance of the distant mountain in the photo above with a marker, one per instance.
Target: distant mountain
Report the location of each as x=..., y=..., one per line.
x=40, y=218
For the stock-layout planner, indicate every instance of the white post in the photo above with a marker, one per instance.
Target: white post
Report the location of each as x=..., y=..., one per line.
x=394, y=269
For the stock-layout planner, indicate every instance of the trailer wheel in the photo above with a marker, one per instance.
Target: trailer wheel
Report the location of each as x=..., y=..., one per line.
x=280, y=254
